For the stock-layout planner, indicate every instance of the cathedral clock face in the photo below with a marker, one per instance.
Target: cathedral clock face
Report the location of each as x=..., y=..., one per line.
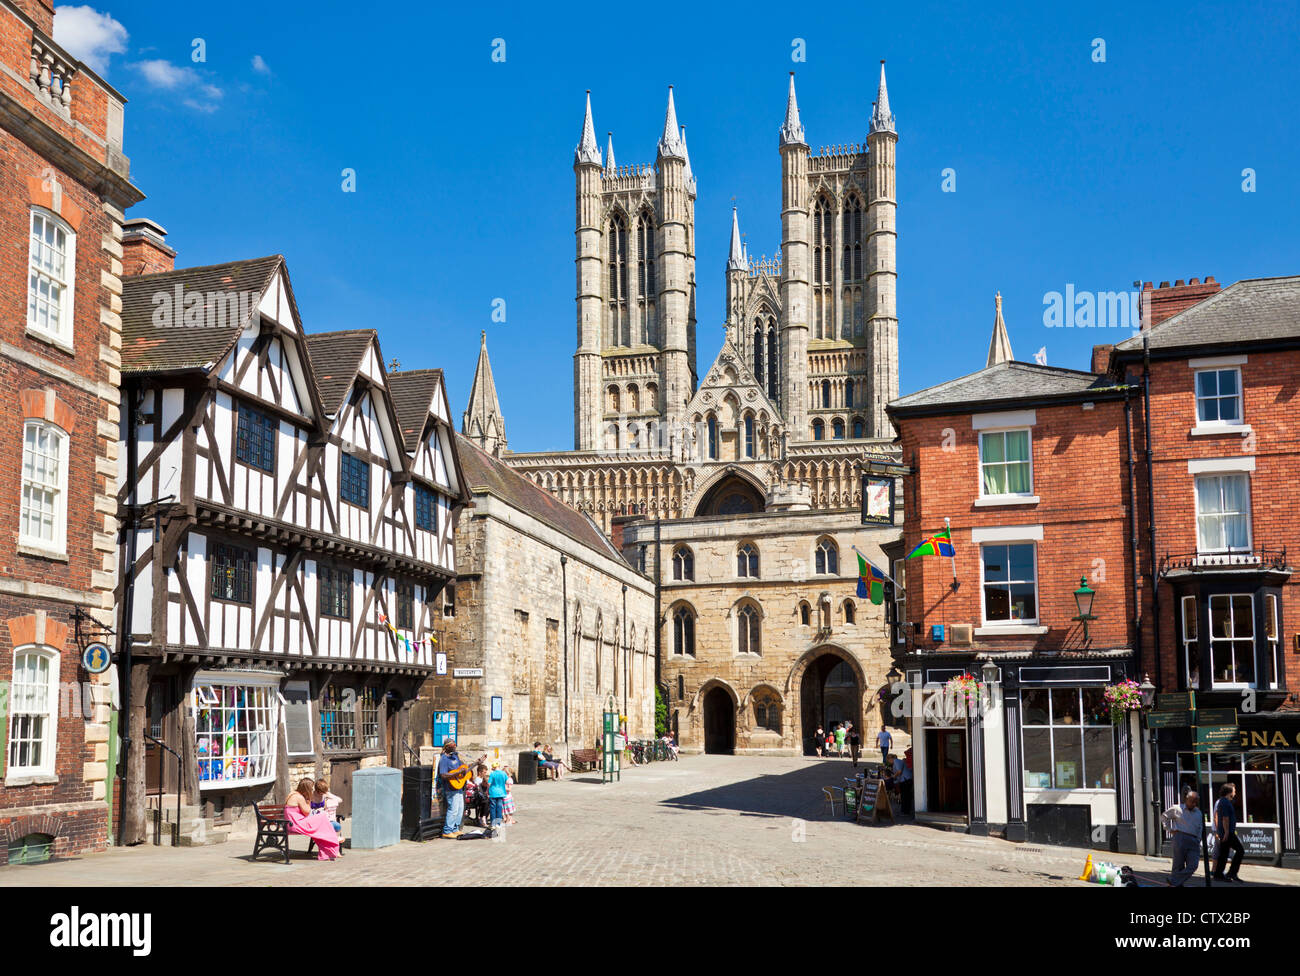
x=877, y=499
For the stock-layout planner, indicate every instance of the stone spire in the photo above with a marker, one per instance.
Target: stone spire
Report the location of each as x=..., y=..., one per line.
x=792, y=131
x=686, y=155
x=736, y=261
x=587, y=151
x=670, y=143
x=1000, y=344
x=483, y=423
x=882, y=120
x=609, y=154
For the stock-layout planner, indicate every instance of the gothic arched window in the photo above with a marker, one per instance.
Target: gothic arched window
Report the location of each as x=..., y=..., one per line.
x=850, y=612
x=758, y=352
x=805, y=614
x=823, y=300
x=645, y=274
x=837, y=429
x=827, y=558
x=748, y=632
x=767, y=712
x=749, y=435
x=848, y=393
x=618, y=292
x=773, y=362
x=826, y=393
x=819, y=430
x=684, y=632
x=713, y=437
x=747, y=561
x=684, y=564
x=858, y=428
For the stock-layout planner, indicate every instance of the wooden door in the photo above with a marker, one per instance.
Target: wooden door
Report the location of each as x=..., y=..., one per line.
x=341, y=783
x=946, y=764
x=160, y=718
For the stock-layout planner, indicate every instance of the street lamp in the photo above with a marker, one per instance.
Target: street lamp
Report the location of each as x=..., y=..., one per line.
x=893, y=674
x=1148, y=691
x=1083, y=597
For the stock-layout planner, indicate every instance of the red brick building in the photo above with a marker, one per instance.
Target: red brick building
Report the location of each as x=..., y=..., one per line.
x=1221, y=370
x=1028, y=467
x=64, y=187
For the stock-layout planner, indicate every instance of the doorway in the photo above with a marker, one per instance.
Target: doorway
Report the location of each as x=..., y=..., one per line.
x=828, y=693
x=945, y=760
x=719, y=723
x=160, y=723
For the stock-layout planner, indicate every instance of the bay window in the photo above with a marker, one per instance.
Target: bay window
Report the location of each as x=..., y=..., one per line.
x=1223, y=512
x=33, y=715
x=235, y=728
x=1253, y=773
x=1069, y=742
x=1191, y=642
x=1232, y=640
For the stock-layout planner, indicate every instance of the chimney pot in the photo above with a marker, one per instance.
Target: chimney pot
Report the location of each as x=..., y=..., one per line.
x=144, y=247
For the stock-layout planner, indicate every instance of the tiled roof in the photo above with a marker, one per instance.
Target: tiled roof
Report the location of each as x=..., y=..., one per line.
x=1009, y=381
x=335, y=358
x=412, y=391
x=1254, y=310
x=485, y=473
x=154, y=346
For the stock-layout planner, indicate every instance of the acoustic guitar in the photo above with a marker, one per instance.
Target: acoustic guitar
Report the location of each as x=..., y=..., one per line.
x=459, y=776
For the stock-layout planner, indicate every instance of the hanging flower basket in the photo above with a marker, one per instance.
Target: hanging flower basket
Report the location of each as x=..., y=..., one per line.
x=964, y=686
x=1123, y=698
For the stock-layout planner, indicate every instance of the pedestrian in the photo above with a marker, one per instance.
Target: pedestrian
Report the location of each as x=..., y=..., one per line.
x=510, y=797
x=1187, y=823
x=497, y=794
x=819, y=740
x=453, y=797
x=839, y=739
x=905, y=784
x=855, y=743
x=1225, y=828
x=884, y=742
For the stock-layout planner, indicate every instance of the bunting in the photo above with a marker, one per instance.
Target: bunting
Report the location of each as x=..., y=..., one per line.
x=409, y=643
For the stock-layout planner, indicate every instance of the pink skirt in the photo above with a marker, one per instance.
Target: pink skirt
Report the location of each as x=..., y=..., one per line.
x=317, y=826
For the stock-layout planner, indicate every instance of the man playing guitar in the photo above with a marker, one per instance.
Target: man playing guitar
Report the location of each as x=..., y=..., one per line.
x=453, y=774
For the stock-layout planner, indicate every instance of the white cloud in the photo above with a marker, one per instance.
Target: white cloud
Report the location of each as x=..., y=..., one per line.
x=202, y=97
x=89, y=35
x=260, y=65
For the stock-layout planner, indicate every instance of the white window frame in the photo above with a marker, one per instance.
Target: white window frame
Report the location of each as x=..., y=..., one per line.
x=62, y=334
x=1229, y=641
x=1240, y=397
x=50, y=734
x=1201, y=549
x=59, y=544
x=1051, y=728
x=1003, y=431
x=900, y=600
x=204, y=680
x=1193, y=641
x=1010, y=623
x=1275, y=638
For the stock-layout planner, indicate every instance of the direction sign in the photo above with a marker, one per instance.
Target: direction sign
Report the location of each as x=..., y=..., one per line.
x=1206, y=717
x=1169, y=720
x=1207, y=737
x=1174, y=700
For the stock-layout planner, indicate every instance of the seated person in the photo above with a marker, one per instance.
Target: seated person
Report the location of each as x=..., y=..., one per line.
x=323, y=799
x=546, y=760
x=297, y=810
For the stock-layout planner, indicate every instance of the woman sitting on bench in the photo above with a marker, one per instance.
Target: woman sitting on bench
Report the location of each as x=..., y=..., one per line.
x=317, y=826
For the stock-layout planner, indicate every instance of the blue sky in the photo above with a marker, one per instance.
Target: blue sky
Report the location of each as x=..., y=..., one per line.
x=1068, y=170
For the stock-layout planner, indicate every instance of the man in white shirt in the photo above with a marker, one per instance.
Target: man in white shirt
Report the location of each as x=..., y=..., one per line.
x=1187, y=823
x=884, y=742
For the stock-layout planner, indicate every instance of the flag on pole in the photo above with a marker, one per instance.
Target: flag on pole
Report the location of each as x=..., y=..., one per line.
x=939, y=544
x=871, y=581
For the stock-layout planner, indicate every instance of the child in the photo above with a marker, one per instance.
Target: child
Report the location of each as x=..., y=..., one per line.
x=510, y=797
x=497, y=793
x=329, y=802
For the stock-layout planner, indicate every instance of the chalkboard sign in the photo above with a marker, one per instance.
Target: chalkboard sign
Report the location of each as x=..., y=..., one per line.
x=1257, y=841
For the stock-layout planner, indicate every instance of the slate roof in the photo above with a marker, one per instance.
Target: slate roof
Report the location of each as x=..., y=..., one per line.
x=486, y=473
x=1250, y=311
x=335, y=358
x=412, y=391
x=149, y=347
x=1010, y=382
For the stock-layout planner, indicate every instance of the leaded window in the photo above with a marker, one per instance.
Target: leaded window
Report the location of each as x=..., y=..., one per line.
x=255, y=439
x=424, y=509
x=354, y=481
x=232, y=573
x=338, y=718
x=335, y=591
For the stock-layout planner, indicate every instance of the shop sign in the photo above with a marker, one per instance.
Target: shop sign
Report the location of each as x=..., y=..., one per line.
x=1169, y=720
x=1257, y=841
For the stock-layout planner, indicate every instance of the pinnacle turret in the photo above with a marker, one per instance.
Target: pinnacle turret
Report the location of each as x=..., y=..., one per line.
x=483, y=422
x=610, y=165
x=670, y=143
x=1000, y=343
x=792, y=130
x=736, y=261
x=882, y=120
x=587, y=151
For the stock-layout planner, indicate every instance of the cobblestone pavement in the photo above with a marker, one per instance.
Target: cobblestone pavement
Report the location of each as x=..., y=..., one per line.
x=707, y=820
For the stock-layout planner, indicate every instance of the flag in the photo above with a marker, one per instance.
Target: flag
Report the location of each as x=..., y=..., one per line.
x=939, y=544
x=871, y=581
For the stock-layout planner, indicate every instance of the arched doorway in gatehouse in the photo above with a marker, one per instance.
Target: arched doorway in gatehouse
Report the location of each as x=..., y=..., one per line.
x=719, y=722
x=830, y=692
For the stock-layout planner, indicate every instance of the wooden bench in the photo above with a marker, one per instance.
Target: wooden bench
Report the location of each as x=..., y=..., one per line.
x=273, y=831
x=584, y=759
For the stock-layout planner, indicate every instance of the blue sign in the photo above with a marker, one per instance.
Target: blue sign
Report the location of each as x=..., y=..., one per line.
x=96, y=658
x=444, y=727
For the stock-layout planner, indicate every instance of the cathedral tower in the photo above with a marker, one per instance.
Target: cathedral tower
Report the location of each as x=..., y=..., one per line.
x=634, y=369
x=882, y=328
x=794, y=270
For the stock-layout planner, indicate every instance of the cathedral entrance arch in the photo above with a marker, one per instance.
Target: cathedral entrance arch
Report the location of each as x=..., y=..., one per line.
x=830, y=691
x=732, y=495
x=719, y=722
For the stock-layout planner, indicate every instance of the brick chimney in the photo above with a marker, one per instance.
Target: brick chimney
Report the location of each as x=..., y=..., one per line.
x=1101, y=358
x=144, y=248
x=1168, y=300
x=40, y=12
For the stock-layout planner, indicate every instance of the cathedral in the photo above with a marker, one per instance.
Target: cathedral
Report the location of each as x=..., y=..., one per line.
x=738, y=489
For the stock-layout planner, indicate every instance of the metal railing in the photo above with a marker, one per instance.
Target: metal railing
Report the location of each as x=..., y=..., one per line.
x=1261, y=558
x=157, y=813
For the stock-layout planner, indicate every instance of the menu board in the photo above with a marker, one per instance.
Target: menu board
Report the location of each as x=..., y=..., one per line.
x=1258, y=841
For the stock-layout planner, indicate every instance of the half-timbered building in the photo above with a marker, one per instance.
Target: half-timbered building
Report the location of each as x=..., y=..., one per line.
x=290, y=540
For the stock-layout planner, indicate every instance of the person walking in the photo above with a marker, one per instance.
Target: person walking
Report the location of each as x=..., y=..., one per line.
x=819, y=741
x=839, y=740
x=1187, y=823
x=453, y=797
x=1225, y=828
x=855, y=743
x=884, y=742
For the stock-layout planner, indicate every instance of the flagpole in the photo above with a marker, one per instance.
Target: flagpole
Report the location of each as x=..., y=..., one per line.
x=881, y=571
x=947, y=524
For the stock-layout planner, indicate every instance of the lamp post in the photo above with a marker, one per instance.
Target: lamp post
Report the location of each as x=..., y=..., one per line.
x=1083, y=598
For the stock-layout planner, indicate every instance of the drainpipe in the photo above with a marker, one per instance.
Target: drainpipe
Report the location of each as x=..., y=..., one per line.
x=564, y=575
